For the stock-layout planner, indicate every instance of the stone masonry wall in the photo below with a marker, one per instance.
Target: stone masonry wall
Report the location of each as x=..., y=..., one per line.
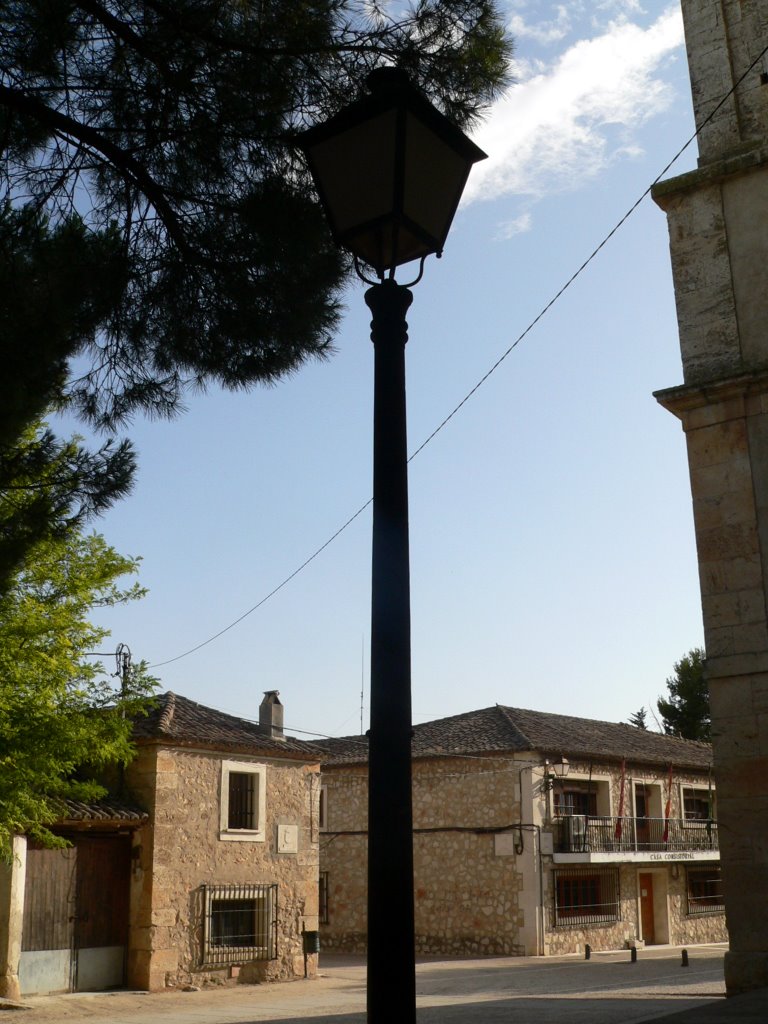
x=680, y=927
x=719, y=250
x=651, y=776
x=723, y=37
x=466, y=898
x=182, y=850
x=670, y=889
x=470, y=866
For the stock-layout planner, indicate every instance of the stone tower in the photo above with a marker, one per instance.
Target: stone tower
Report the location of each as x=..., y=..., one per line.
x=718, y=229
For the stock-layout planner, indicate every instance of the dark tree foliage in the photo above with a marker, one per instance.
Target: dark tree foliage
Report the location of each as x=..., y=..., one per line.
x=56, y=287
x=686, y=712
x=639, y=719
x=148, y=142
x=158, y=230
x=49, y=488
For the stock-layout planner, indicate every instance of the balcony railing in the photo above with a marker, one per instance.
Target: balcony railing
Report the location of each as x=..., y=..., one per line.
x=589, y=833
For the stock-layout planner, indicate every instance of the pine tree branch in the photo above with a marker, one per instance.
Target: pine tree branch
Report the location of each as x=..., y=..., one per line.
x=122, y=30
x=133, y=172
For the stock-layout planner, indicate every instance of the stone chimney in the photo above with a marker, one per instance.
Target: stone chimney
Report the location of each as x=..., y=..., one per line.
x=271, y=715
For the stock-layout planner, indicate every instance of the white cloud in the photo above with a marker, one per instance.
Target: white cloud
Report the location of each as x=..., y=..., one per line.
x=518, y=226
x=553, y=129
x=622, y=6
x=544, y=32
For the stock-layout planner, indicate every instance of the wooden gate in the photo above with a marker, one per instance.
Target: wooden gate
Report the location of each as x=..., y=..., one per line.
x=75, y=929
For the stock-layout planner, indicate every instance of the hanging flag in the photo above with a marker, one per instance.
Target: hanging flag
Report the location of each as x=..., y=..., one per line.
x=617, y=832
x=668, y=808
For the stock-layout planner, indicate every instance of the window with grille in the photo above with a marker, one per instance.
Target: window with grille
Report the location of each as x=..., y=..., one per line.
x=586, y=896
x=240, y=923
x=243, y=794
x=705, y=890
x=323, y=908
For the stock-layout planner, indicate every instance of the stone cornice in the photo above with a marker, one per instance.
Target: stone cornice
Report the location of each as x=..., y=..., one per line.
x=752, y=158
x=685, y=398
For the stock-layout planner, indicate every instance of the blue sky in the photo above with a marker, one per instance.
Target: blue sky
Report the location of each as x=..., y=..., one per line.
x=552, y=550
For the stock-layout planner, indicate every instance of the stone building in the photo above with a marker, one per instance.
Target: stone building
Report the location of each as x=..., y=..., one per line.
x=718, y=229
x=206, y=869
x=533, y=835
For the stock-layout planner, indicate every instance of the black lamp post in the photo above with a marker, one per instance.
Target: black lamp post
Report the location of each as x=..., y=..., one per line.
x=390, y=170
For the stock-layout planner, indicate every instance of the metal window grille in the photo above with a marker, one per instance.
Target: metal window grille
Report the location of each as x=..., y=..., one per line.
x=584, y=896
x=240, y=923
x=323, y=911
x=242, y=800
x=578, y=833
x=705, y=890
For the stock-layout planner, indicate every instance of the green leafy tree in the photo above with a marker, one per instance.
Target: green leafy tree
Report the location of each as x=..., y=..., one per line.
x=152, y=139
x=63, y=722
x=686, y=710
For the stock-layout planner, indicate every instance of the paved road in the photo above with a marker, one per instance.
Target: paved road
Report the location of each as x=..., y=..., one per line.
x=608, y=989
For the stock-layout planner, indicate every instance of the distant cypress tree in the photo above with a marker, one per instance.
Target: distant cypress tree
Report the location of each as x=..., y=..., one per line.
x=639, y=719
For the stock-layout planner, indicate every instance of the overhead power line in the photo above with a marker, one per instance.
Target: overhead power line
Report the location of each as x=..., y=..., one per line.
x=523, y=334
x=304, y=564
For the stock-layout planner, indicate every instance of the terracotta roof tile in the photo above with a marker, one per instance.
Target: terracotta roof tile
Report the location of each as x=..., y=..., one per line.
x=107, y=810
x=180, y=721
x=501, y=729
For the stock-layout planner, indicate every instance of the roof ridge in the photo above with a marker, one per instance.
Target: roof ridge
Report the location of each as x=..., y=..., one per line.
x=599, y=721
x=181, y=721
x=164, y=722
x=446, y=718
x=504, y=711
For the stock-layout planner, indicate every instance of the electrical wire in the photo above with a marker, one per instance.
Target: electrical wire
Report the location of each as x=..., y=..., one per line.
x=543, y=312
x=279, y=587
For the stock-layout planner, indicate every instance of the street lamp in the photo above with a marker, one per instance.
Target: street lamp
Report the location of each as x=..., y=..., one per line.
x=553, y=772
x=390, y=170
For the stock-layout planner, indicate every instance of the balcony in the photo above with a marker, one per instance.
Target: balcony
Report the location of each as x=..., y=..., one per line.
x=589, y=837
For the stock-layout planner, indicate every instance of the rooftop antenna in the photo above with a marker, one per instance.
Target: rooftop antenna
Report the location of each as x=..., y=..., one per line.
x=362, y=679
x=122, y=658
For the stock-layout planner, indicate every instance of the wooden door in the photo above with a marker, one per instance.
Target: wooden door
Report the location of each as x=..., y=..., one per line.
x=647, y=922
x=101, y=919
x=48, y=923
x=75, y=927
